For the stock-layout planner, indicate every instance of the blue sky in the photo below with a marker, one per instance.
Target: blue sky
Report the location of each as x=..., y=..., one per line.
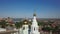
x=25, y=8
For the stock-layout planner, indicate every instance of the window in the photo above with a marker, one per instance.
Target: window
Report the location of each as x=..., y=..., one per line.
x=23, y=28
x=34, y=29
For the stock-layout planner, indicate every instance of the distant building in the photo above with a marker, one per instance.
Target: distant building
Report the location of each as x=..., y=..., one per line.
x=9, y=20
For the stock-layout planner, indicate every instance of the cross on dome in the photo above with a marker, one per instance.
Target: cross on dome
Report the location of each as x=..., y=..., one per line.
x=34, y=13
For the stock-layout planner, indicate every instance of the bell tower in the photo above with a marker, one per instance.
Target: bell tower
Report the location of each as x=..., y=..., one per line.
x=34, y=26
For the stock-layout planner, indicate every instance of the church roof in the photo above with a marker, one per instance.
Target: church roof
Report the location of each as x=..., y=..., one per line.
x=25, y=21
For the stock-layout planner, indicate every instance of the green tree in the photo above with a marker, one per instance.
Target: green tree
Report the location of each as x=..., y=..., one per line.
x=40, y=23
x=3, y=23
x=18, y=24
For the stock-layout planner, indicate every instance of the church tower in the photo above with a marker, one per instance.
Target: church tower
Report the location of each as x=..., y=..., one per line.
x=34, y=26
x=25, y=26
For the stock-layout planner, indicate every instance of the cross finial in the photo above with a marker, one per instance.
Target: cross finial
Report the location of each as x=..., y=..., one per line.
x=34, y=13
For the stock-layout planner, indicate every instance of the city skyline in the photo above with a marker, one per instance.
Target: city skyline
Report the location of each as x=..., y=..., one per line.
x=25, y=8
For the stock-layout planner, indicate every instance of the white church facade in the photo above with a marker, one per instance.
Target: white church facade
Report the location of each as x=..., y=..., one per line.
x=34, y=27
x=26, y=28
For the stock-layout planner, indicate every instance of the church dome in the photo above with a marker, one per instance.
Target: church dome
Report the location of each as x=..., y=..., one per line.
x=34, y=14
x=25, y=22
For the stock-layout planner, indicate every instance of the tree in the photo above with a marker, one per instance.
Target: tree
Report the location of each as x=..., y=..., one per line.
x=18, y=24
x=3, y=23
x=40, y=23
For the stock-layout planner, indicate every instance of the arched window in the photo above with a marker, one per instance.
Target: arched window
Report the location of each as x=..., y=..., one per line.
x=23, y=28
x=34, y=28
x=29, y=27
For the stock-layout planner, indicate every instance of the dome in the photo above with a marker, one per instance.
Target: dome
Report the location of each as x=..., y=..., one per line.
x=34, y=14
x=25, y=21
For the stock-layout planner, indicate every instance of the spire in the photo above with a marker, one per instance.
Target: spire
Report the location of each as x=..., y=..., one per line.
x=34, y=18
x=34, y=26
x=34, y=13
